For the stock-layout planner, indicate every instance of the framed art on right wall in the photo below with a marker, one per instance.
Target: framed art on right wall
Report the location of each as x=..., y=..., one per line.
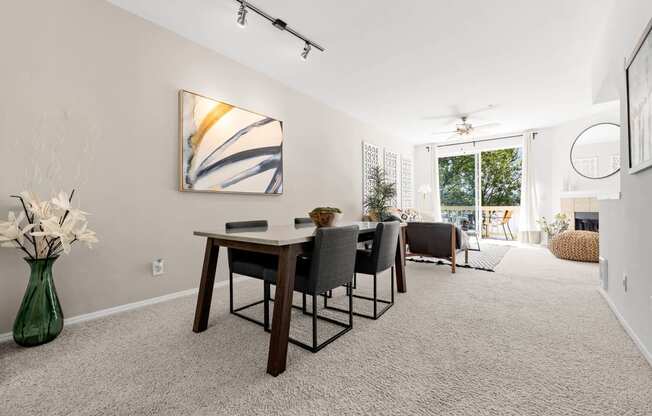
x=638, y=74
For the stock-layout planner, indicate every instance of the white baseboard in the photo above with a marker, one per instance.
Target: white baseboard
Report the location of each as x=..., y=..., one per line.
x=129, y=306
x=626, y=327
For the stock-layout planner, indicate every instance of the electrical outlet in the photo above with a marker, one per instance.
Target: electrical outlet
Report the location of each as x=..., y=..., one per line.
x=158, y=267
x=625, y=281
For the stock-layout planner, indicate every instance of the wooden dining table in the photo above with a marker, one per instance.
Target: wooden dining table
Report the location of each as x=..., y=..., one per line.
x=286, y=242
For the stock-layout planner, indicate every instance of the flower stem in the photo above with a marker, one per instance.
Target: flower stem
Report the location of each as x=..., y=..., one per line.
x=63, y=219
x=29, y=220
x=24, y=249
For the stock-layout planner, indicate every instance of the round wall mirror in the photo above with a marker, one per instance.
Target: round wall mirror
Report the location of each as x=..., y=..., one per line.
x=595, y=153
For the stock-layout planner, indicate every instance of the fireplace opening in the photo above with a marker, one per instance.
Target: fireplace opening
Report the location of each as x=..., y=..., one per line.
x=587, y=221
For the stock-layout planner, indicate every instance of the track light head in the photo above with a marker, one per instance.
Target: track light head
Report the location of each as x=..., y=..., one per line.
x=242, y=15
x=306, y=51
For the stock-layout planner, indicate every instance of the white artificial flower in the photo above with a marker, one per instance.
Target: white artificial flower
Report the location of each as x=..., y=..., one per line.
x=50, y=227
x=30, y=199
x=61, y=201
x=40, y=209
x=54, y=225
x=10, y=230
x=65, y=233
x=85, y=235
x=76, y=215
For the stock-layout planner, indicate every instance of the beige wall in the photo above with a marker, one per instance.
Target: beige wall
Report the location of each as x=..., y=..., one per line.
x=552, y=160
x=625, y=228
x=83, y=78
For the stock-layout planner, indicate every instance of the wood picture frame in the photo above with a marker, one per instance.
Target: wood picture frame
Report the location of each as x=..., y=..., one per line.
x=228, y=149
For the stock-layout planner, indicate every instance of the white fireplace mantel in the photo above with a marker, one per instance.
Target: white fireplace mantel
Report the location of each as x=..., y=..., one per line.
x=600, y=195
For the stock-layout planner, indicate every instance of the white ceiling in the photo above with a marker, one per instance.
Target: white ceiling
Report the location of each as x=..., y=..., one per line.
x=391, y=63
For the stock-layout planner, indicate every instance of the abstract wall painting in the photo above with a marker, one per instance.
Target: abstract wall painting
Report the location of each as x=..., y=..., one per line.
x=227, y=149
x=639, y=103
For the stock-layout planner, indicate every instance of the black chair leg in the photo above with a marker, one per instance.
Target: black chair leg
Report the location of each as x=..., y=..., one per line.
x=230, y=292
x=350, y=306
x=392, y=284
x=505, y=232
x=303, y=304
x=314, y=322
x=510, y=231
x=386, y=304
x=266, y=290
x=375, y=296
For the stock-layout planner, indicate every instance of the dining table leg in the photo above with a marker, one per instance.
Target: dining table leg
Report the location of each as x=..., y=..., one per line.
x=206, y=284
x=278, y=343
x=399, y=262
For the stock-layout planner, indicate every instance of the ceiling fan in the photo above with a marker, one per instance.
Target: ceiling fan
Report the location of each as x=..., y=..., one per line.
x=465, y=128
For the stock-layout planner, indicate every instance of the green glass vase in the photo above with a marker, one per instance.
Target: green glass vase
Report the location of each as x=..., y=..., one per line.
x=39, y=318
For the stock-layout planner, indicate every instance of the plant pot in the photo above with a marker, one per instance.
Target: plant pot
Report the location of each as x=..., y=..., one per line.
x=325, y=219
x=39, y=319
x=374, y=217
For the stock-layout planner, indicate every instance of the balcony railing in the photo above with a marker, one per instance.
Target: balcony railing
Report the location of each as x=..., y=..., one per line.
x=490, y=223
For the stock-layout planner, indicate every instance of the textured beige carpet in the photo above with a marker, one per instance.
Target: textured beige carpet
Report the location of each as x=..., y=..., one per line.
x=534, y=338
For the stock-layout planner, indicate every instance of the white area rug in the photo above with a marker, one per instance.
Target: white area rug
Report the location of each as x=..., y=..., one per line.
x=534, y=338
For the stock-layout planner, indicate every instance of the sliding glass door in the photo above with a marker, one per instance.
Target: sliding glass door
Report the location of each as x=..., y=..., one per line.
x=500, y=192
x=457, y=189
x=482, y=191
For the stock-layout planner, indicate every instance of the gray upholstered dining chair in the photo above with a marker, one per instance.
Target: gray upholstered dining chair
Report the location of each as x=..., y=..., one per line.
x=330, y=265
x=436, y=239
x=247, y=263
x=380, y=257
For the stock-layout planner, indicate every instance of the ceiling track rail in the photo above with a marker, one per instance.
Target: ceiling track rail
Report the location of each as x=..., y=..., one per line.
x=480, y=140
x=280, y=24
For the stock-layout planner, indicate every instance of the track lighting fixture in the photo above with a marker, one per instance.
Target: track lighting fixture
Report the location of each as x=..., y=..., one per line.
x=242, y=15
x=306, y=51
x=245, y=6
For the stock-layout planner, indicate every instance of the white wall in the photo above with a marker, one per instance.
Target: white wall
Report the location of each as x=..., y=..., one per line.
x=551, y=153
x=625, y=237
x=85, y=78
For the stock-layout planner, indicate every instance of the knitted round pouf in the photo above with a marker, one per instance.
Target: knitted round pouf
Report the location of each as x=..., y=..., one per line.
x=576, y=245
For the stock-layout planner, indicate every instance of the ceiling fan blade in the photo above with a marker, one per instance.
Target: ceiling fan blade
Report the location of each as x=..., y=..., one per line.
x=458, y=115
x=440, y=133
x=485, y=126
x=446, y=116
x=480, y=110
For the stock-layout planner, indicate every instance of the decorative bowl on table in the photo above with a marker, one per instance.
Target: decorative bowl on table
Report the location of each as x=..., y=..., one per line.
x=325, y=216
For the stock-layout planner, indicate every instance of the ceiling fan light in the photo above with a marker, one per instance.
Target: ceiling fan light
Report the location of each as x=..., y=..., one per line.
x=242, y=15
x=306, y=51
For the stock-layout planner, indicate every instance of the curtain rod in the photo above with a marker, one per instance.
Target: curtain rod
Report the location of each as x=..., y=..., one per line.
x=482, y=140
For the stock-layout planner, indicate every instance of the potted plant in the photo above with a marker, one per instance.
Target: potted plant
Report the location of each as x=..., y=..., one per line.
x=381, y=195
x=556, y=227
x=325, y=216
x=43, y=230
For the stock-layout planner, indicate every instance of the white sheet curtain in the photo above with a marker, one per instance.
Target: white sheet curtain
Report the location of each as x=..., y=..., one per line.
x=426, y=183
x=436, y=200
x=529, y=229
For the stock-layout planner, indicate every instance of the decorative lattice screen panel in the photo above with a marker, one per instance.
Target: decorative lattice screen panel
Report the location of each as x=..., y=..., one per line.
x=371, y=156
x=393, y=174
x=406, y=184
